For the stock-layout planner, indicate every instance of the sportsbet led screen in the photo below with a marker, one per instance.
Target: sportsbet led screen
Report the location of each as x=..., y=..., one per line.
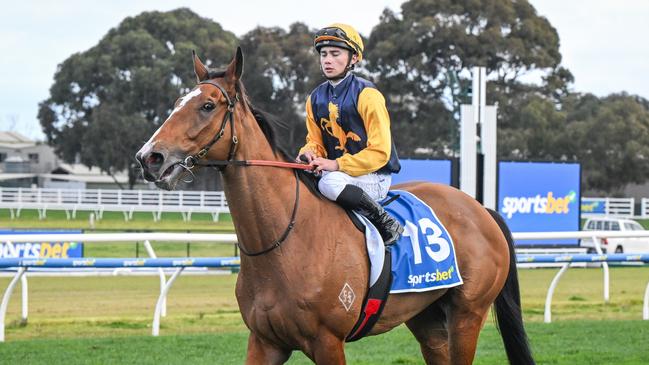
x=437, y=171
x=540, y=197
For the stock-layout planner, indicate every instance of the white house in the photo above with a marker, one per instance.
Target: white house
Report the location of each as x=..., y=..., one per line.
x=27, y=163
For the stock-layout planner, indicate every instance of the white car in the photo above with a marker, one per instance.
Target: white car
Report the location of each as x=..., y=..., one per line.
x=617, y=245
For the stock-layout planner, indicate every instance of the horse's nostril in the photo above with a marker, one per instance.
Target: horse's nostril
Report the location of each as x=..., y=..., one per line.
x=155, y=159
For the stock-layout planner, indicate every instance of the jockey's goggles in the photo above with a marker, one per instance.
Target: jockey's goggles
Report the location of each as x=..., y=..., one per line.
x=334, y=37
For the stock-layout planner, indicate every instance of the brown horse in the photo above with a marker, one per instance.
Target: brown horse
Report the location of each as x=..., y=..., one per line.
x=301, y=250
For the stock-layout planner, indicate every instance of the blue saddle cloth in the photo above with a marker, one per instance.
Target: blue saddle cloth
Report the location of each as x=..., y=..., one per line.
x=424, y=257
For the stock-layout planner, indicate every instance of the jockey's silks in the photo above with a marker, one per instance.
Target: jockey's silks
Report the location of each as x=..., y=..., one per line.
x=350, y=123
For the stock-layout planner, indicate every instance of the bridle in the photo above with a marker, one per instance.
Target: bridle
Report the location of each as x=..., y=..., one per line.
x=193, y=160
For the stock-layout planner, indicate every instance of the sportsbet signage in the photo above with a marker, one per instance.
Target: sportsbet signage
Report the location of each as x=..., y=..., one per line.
x=540, y=197
x=40, y=249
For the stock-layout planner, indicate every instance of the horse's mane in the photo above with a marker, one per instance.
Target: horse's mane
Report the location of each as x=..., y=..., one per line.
x=269, y=125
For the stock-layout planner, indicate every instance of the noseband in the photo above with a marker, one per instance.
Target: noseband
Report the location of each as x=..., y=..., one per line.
x=192, y=160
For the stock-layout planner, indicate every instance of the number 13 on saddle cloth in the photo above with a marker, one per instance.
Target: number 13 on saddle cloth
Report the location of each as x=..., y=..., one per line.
x=424, y=257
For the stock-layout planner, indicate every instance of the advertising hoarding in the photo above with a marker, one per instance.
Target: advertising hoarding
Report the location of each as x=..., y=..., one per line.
x=540, y=197
x=51, y=249
x=437, y=171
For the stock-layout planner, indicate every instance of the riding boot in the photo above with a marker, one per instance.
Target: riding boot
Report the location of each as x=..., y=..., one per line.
x=354, y=198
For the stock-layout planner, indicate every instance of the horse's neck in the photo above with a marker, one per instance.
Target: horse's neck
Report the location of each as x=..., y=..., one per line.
x=260, y=198
x=261, y=201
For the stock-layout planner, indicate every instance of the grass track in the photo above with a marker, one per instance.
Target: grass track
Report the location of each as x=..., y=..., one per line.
x=107, y=320
x=570, y=342
x=114, y=221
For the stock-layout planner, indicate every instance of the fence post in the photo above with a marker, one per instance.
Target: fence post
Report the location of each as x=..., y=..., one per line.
x=5, y=300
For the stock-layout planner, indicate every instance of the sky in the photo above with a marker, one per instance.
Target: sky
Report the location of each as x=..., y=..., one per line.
x=603, y=42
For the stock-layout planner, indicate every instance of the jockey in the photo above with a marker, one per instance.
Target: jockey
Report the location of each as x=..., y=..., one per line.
x=349, y=137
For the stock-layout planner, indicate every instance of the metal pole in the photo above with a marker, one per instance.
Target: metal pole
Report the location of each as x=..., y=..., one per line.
x=5, y=300
x=163, y=279
x=489, y=149
x=162, y=300
x=25, y=297
x=598, y=248
x=547, y=316
x=468, y=149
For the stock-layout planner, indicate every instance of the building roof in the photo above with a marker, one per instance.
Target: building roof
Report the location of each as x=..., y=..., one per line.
x=14, y=176
x=14, y=137
x=15, y=140
x=81, y=172
x=123, y=179
x=77, y=169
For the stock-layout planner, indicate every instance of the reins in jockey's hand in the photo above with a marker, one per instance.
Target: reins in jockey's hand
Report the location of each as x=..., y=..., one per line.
x=192, y=161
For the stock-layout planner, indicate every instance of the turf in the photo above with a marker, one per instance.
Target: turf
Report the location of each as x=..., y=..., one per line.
x=100, y=320
x=114, y=221
x=107, y=320
x=570, y=342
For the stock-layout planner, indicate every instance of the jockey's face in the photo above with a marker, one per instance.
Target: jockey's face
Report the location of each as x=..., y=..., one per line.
x=333, y=60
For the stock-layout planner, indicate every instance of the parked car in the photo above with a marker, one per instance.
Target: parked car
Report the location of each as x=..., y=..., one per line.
x=617, y=245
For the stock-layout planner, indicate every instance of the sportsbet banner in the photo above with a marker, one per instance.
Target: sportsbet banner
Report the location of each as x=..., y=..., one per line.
x=50, y=249
x=540, y=197
x=437, y=171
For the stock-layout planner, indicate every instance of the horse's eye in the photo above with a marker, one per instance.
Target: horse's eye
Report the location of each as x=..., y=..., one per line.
x=209, y=106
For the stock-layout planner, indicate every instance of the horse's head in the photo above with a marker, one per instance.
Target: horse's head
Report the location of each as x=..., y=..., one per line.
x=200, y=125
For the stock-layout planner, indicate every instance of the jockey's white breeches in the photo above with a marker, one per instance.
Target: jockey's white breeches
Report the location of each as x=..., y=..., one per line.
x=375, y=185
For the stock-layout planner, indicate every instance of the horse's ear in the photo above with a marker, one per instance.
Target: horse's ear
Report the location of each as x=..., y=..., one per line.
x=235, y=68
x=199, y=68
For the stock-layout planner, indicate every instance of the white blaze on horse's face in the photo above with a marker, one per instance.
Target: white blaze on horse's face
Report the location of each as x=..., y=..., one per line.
x=184, y=100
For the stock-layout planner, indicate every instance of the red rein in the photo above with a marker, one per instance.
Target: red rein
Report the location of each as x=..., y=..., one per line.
x=290, y=165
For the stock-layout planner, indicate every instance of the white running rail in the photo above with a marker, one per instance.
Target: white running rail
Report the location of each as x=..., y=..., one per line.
x=147, y=238
x=596, y=236
x=103, y=200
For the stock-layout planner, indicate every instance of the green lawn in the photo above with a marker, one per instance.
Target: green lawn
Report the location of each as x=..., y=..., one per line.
x=106, y=320
x=100, y=320
x=569, y=343
x=114, y=221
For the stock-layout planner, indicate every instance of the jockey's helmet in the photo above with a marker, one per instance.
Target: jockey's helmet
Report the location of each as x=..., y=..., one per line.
x=339, y=35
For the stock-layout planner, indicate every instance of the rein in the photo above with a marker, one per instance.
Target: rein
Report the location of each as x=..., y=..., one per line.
x=289, y=165
x=193, y=160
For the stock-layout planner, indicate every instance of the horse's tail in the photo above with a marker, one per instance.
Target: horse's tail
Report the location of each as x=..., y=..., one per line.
x=508, y=307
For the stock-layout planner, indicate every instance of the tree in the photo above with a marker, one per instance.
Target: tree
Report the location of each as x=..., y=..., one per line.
x=107, y=101
x=537, y=132
x=281, y=68
x=109, y=138
x=416, y=56
x=610, y=137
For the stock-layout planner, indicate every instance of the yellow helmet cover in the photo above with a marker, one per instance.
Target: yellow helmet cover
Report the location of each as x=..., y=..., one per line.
x=340, y=35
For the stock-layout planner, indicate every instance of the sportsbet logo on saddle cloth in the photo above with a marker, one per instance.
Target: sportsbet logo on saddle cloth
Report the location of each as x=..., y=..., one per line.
x=424, y=257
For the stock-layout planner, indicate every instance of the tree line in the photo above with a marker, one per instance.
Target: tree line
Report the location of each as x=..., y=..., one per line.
x=106, y=101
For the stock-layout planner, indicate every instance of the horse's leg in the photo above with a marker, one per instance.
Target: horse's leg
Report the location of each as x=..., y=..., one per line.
x=429, y=328
x=464, y=324
x=260, y=352
x=328, y=349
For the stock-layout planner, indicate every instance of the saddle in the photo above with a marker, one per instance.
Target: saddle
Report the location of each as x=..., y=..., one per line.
x=377, y=294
